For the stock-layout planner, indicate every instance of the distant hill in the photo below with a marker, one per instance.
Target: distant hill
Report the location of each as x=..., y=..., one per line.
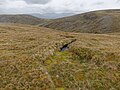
x=52, y=15
x=22, y=19
x=104, y=21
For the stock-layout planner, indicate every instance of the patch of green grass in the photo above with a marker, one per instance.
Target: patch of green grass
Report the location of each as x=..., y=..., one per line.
x=57, y=58
x=84, y=68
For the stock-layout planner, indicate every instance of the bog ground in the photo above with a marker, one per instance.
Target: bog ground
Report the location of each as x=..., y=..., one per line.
x=30, y=59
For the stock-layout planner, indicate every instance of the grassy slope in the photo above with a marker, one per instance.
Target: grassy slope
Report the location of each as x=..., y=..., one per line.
x=92, y=22
x=30, y=59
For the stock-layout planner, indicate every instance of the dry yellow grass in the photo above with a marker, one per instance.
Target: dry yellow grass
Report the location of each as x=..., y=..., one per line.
x=30, y=59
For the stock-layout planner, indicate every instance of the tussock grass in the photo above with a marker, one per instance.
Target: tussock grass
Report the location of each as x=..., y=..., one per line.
x=30, y=58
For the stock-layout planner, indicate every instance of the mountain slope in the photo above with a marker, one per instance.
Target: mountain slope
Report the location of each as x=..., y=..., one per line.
x=31, y=59
x=22, y=19
x=105, y=21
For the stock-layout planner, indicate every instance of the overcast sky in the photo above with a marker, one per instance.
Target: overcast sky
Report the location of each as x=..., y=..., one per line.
x=55, y=6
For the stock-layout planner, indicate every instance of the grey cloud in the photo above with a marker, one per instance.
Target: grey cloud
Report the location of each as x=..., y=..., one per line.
x=2, y=2
x=1, y=11
x=99, y=3
x=118, y=0
x=56, y=6
x=37, y=1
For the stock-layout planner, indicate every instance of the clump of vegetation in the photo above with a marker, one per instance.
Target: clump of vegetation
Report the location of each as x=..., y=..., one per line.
x=85, y=69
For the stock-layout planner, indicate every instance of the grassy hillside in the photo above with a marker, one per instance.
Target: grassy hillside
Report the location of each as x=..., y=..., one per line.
x=30, y=59
x=22, y=19
x=106, y=21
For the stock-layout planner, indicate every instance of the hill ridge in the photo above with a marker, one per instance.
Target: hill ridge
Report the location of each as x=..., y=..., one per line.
x=21, y=18
x=102, y=21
